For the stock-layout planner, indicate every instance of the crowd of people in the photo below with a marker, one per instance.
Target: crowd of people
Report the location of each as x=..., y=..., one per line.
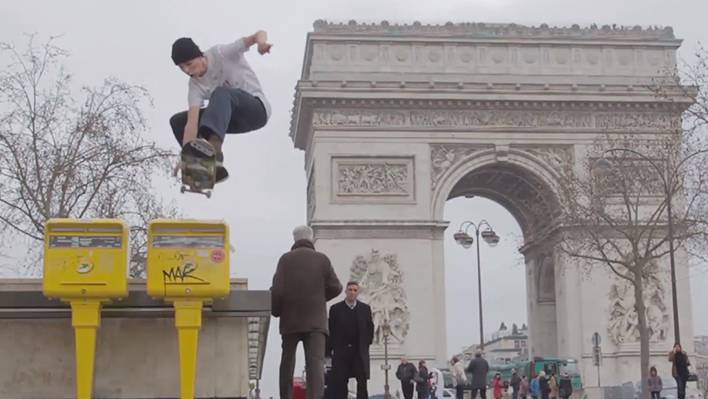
x=305, y=281
x=541, y=386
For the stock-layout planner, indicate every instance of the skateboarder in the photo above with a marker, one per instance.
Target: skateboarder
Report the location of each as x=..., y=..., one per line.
x=222, y=76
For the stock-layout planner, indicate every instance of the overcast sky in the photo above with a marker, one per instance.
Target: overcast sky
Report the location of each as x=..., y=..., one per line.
x=265, y=196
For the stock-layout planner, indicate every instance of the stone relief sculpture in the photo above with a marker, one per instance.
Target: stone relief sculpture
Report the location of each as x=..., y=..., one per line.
x=517, y=118
x=623, y=326
x=381, y=281
x=373, y=178
x=443, y=156
x=555, y=156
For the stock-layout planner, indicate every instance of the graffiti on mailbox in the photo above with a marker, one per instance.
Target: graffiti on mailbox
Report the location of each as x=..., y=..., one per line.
x=181, y=273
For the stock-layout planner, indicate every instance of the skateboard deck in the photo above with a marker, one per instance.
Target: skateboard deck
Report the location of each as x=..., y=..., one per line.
x=198, y=167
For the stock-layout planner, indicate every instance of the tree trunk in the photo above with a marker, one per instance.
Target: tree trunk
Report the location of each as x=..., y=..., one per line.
x=643, y=334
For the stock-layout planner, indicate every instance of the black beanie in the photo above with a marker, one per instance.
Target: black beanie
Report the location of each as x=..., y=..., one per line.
x=184, y=49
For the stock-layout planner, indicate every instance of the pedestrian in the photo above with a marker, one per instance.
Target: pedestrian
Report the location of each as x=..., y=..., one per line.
x=654, y=383
x=303, y=283
x=553, y=386
x=479, y=368
x=351, y=330
x=437, y=384
x=679, y=369
x=406, y=373
x=535, y=387
x=498, y=386
x=565, y=386
x=422, y=381
x=523, y=388
x=515, y=381
x=459, y=378
x=543, y=384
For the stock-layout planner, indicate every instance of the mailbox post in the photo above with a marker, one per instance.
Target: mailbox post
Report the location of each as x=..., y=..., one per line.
x=188, y=265
x=85, y=264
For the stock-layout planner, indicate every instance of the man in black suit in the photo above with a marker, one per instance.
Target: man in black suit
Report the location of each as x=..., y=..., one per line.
x=351, y=332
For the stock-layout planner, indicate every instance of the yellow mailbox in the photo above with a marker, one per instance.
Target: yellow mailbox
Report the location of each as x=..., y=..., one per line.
x=85, y=258
x=188, y=259
x=85, y=264
x=188, y=264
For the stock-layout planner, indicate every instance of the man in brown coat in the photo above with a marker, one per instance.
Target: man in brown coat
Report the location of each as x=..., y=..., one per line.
x=303, y=283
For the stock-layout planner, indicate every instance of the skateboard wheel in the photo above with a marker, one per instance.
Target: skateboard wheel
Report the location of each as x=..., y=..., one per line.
x=208, y=194
x=183, y=189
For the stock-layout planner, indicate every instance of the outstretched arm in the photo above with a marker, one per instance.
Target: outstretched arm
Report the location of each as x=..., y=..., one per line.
x=261, y=39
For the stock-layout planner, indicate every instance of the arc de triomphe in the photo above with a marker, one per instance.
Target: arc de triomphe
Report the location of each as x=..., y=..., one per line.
x=397, y=119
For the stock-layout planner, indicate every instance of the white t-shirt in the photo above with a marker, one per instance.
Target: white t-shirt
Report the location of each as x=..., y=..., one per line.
x=226, y=66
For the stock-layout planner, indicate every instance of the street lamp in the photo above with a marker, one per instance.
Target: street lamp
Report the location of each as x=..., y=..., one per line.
x=464, y=239
x=667, y=179
x=386, y=329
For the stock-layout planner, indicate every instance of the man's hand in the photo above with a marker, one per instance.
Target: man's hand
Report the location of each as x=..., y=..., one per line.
x=190, y=134
x=261, y=39
x=190, y=129
x=264, y=48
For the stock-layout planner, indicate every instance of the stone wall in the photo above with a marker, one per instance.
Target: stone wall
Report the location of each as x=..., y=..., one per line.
x=137, y=354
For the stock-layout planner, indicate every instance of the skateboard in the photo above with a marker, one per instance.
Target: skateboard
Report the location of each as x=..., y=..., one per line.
x=197, y=166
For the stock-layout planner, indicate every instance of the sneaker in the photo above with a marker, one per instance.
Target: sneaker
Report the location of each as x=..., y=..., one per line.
x=221, y=173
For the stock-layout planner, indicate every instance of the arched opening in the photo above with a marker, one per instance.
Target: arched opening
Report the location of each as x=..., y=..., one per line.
x=518, y=275
x=503, y=275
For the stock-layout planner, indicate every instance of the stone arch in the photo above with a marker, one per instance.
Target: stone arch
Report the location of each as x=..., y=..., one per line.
x=476, y=173
x=413, y=132
x=525, y=184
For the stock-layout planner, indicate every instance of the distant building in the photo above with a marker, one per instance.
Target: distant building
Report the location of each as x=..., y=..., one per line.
x=701, y=343
x=503, y=346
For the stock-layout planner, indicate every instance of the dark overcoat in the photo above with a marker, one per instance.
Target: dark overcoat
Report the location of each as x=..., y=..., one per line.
x=336, y=342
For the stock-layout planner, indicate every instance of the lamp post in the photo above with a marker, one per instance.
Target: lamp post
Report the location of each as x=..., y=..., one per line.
x=386, y=329
x=464, y=239
x=667, y=179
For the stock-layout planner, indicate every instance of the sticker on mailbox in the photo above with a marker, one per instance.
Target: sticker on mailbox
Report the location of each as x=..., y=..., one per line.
x=218, y=255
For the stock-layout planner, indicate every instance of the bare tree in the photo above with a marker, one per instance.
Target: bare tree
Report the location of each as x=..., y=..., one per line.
x=67, y=155
x=617, y=210
x=637, y=200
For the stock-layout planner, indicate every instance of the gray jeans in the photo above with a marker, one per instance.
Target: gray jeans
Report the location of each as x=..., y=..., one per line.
x=229, y=111
x=314, y=344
